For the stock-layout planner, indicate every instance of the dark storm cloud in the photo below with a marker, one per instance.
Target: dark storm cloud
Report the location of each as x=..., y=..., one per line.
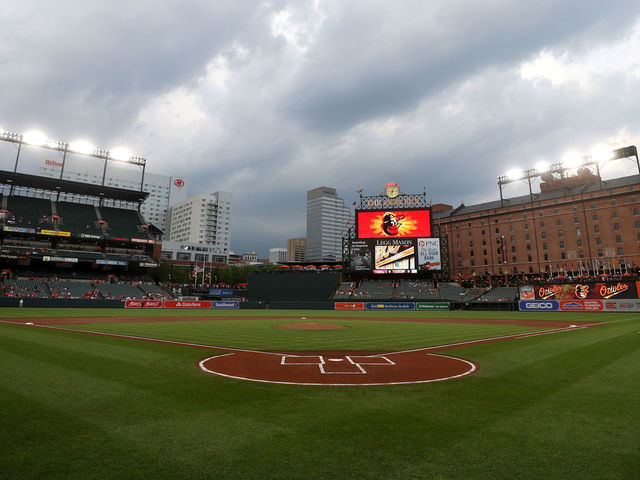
x=377, y=62
x=268, y=100
x=92, y=65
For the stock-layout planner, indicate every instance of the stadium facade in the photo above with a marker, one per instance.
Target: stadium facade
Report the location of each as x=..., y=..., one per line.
x=328, y=218
x=164, y=190
x=579, y=224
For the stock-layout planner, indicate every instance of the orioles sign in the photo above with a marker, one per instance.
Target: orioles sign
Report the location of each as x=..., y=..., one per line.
x=394, y=223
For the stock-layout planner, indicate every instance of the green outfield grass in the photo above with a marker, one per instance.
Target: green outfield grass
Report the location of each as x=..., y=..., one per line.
x=78, y=406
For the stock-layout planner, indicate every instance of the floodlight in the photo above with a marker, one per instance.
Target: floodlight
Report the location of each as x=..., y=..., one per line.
x=600, y=154
x=515, y=174
x=34, y=137
x=542, y=166
x=571, y=160
x=56, y=144
x=120, y=153
x=82, y=146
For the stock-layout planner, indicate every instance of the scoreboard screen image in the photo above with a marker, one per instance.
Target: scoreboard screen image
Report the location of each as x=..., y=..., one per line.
x=393, y=223
x=390, y=258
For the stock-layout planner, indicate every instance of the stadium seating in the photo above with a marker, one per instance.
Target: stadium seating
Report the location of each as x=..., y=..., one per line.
x=500, y=294
x=76, y=217
x=120, y=222
x=416, y=290
x=471, y=294
x=25, y=288
x=376, y=289
x=345, y=290
x=30, y=212
x=71, y=289
x=451, y=291
x=118, y=290
x=153, y=291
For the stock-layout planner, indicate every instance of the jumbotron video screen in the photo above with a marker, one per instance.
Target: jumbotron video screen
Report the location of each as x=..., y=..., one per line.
x=394, y=241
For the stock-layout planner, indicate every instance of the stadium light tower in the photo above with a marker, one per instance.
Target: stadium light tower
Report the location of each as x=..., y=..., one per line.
x=82, y=147
x=570, y=161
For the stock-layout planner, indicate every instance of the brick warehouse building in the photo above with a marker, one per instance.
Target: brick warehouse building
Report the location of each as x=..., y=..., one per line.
x=571, y=221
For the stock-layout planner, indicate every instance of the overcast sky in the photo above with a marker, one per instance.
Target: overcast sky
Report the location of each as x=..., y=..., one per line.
x=270, y=99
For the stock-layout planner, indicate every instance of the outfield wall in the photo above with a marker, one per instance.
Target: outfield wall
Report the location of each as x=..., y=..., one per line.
x=61, y=303
x=273, y=287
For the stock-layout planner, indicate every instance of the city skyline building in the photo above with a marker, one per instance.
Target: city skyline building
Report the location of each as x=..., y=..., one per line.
x=203, y=219
x=328, y=218
x=277, y=255
x=296, y=249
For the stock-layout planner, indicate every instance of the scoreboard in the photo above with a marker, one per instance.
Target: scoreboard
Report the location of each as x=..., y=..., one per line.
x=394, y=241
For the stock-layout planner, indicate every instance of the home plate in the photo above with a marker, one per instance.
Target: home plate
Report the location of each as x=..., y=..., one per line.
x=29, y=323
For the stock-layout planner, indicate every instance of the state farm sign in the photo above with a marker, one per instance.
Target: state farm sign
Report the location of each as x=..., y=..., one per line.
x=187, y=304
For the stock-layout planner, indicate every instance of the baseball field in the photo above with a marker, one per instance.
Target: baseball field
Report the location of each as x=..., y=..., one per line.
x=123, y=394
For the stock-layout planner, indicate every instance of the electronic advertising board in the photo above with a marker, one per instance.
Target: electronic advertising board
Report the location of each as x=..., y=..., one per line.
x=394, y=241
x=393, y=223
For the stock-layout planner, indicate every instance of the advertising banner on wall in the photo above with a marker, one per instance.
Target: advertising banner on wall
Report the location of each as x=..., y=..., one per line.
x=55, y=233
x=349, y=306
x=19, y=229
x=221, y=292
x=539, y=306
x=187, y=304
x=527, y=292
x=46, y=258
x=429, y=253
x=390, y=306
x=226, y=305
x=133, y=303
x=631, y=305
x=621, y=305
x=432, y=306
x=583, y=291
x=581, y=305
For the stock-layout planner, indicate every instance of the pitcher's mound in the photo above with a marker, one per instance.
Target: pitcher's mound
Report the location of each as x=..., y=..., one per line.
x=312, y=326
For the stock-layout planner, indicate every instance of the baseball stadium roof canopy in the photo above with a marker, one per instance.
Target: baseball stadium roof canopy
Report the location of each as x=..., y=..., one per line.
x=69, y=186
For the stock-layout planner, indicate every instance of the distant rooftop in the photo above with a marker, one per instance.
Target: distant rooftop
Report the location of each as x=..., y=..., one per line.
x=463, y=209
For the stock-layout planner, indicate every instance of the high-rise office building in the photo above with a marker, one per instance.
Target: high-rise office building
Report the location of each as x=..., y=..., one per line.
x=327, y=221
x=296, y=249
x=277, y=255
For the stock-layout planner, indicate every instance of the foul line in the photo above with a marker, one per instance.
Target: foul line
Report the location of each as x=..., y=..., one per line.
x=231, y=349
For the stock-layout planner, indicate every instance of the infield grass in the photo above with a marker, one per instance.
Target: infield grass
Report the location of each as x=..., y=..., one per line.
x=78, y=406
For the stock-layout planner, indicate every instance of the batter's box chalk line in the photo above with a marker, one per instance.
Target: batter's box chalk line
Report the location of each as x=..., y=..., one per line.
x=319, y=360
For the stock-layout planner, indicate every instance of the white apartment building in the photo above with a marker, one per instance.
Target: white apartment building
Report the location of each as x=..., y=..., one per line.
x=192, y=252
x=277, y=255
x=327, y=221
x=164, y=190
x=203, y=219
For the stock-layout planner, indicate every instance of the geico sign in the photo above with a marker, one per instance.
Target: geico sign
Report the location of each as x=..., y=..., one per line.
x=541, y=305
x=551, y=305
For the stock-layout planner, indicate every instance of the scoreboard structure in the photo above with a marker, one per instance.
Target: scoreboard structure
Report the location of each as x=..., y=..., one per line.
x=393, y=234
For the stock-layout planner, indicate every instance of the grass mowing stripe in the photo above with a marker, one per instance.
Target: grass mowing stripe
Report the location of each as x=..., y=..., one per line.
x=260, y=334
x=554, y=406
